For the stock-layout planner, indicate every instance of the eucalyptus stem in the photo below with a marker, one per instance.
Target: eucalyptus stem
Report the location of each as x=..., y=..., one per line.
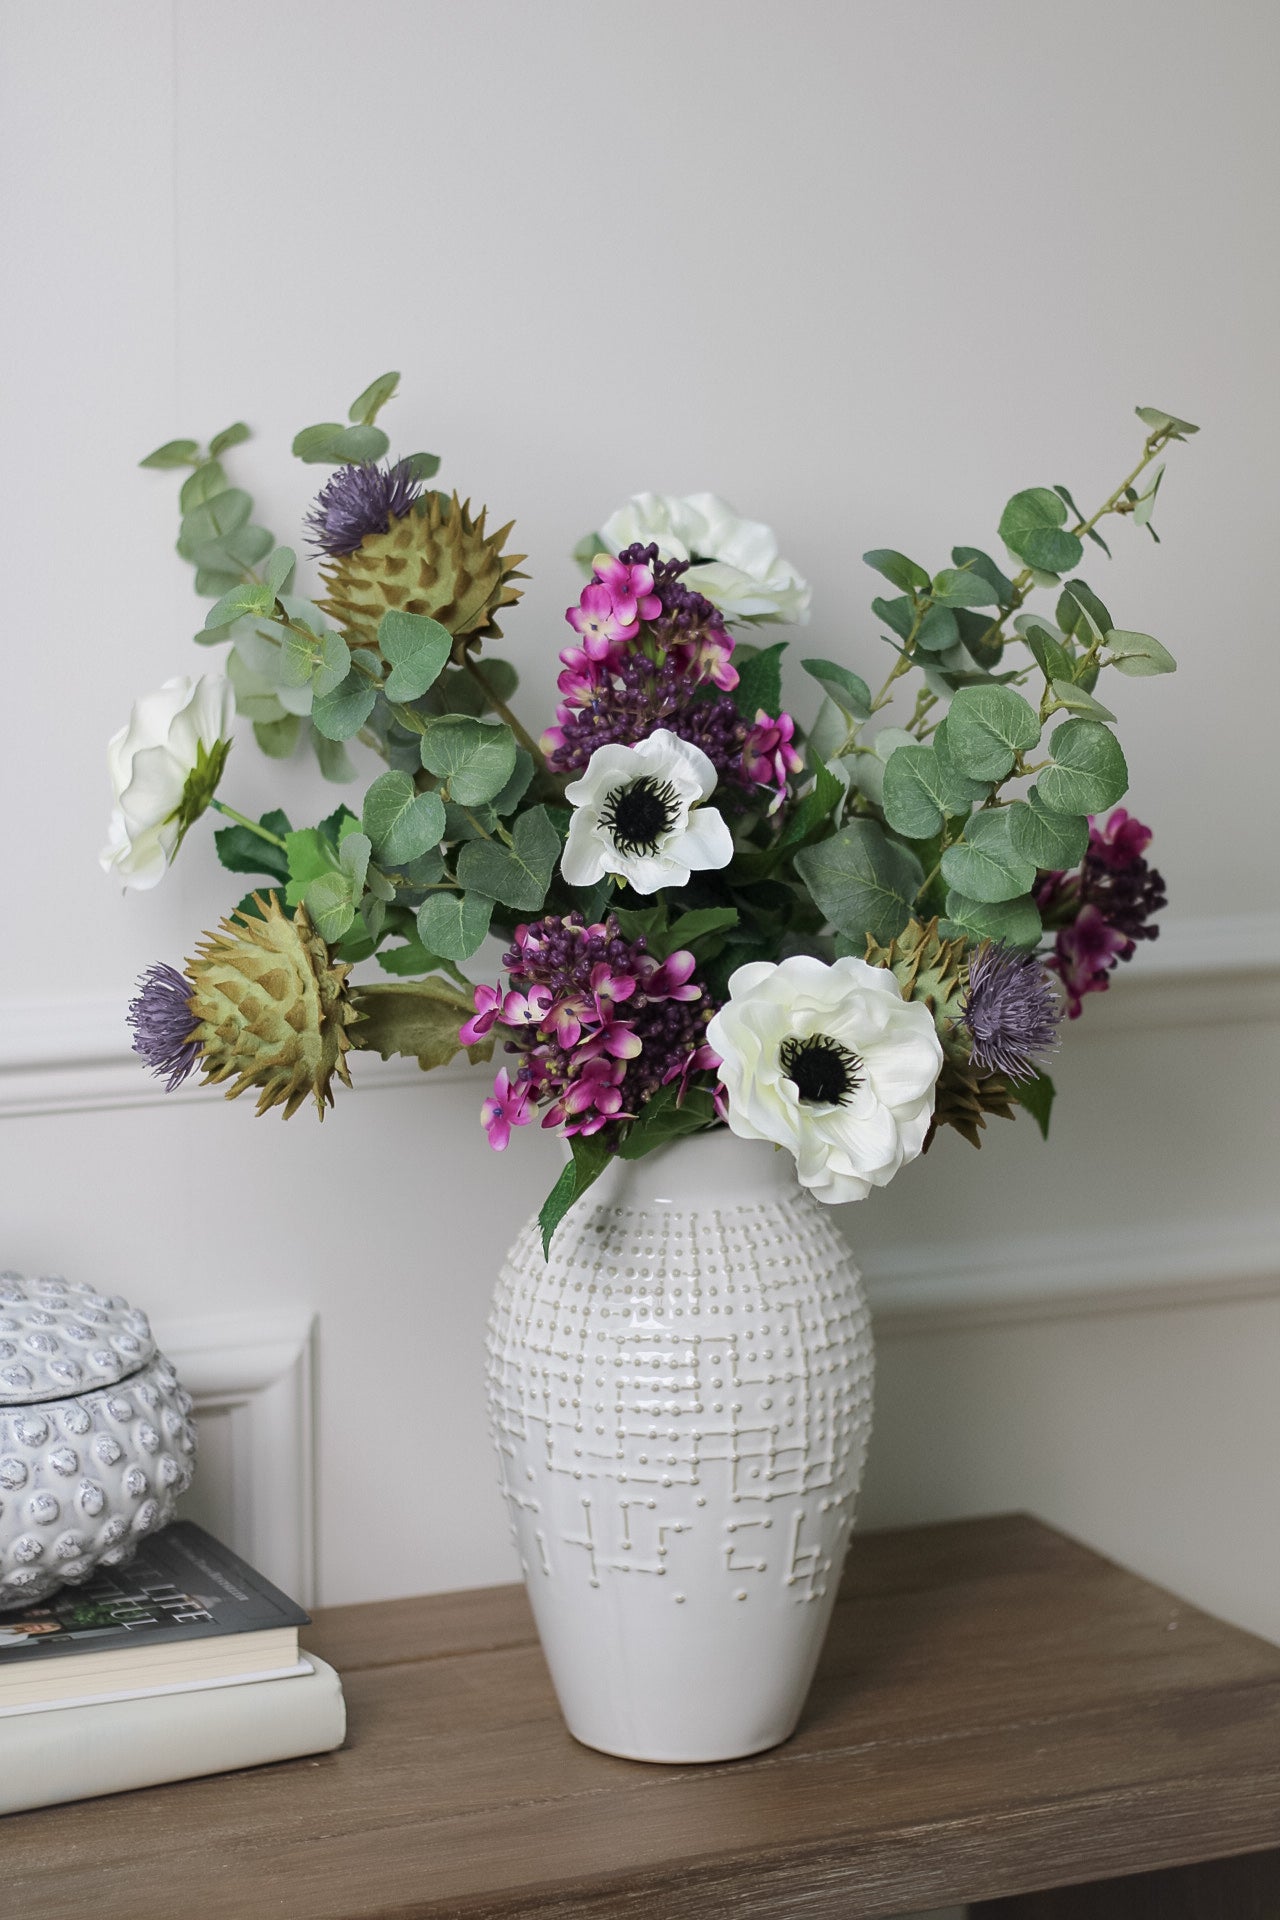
x=504, y=712
x=254, y=826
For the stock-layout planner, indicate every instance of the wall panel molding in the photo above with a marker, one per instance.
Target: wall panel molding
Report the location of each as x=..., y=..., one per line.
x=74, y=1056
x=252, y=1378
x=930, y=1288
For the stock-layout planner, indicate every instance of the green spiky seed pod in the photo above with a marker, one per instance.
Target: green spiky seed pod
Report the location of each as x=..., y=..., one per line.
x=931, y=969
x=934, y=970
x=272, y=1008
x=963, y=1099
x=434, y=560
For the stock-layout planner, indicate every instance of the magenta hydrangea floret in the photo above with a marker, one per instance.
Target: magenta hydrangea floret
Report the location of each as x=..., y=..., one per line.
x=1100, y=912
x=597, y=1023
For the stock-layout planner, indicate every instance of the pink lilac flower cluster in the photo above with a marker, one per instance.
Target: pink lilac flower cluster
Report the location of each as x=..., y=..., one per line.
x=1102, y=910
x=653, y=653
x=598, y=1025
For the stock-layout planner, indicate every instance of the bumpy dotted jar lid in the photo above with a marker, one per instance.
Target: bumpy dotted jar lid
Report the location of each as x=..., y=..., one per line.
x=62, y=1337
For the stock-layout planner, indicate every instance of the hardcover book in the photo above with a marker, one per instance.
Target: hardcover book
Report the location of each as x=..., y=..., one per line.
x=185, y=1611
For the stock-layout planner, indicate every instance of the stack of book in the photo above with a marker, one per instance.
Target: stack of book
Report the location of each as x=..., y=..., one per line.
x=184, y=1662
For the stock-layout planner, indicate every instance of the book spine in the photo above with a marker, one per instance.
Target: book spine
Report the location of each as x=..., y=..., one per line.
x=75, y=1753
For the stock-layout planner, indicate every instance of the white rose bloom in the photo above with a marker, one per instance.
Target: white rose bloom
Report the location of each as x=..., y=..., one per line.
x=736, y=562
x=636, y=812
x=181, y=731
x=831, y=1063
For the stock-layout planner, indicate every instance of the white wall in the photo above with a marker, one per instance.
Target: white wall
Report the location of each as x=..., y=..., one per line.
x=865, y=269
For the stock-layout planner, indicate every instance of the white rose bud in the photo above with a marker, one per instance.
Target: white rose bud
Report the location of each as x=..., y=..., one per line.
x=165, y=767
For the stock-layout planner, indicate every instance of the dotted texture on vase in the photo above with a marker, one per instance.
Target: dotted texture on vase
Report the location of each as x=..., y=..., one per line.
x=83, y=1475
x=671, y=1382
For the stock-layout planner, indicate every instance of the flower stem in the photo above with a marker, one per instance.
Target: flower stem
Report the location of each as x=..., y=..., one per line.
x=504, y=712
x=254, y=826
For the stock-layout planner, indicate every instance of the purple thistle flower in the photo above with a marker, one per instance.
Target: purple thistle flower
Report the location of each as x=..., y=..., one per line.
x=359, y=500
x=164, y=1030
x=1011, y=1011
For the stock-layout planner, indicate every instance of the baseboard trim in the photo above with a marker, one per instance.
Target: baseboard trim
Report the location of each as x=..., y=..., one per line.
x=74, y=1056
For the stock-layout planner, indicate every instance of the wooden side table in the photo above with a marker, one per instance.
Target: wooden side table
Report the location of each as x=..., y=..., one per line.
x=999, y=1713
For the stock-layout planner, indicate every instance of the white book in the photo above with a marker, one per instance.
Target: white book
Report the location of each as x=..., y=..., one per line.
x=74, y=1752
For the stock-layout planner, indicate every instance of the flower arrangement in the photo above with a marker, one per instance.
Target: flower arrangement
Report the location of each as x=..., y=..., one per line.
x=837, y=938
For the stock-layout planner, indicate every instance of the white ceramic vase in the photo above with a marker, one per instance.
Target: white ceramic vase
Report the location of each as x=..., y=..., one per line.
x=681, y=1401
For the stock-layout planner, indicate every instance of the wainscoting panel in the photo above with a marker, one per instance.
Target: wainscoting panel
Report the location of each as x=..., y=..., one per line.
x=252, y=1379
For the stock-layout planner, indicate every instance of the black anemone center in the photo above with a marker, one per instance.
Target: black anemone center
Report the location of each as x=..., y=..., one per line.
x=637, y=815
x=825, y=1073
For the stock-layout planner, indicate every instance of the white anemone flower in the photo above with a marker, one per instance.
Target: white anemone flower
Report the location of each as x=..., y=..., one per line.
x=831, y=1063
x=735, y=562
x=164, y=766
x=636, y=812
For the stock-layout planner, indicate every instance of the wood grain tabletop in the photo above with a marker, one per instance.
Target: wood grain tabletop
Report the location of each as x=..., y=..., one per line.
x=998, y=1710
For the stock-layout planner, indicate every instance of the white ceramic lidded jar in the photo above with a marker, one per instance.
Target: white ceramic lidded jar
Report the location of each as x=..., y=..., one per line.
x=96, y=1443
x=681, y=1401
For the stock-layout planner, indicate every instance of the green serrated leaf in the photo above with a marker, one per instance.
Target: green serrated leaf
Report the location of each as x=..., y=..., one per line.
x=987, y=727
x=862, y=881
x=1138, y=654
x=454, y=924
x=475, y=757
x=414, y=1019
x=1088, y=770
x=590, y=1158
x=759, y=687
x=401, y=823
x=330, y=900
x=1053, y=842
x=815, y=809
x=417, y=650
x=665, y=1118
x=242, y=851
x=905, y=574
x=364, y=409
x=519, y=875
x=698, y=924
x=1036, y=1094
x=985, y=865
x=850, y=693
x=174, y=453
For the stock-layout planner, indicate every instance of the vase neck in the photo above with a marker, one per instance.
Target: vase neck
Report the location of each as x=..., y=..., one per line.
x=706, y=1170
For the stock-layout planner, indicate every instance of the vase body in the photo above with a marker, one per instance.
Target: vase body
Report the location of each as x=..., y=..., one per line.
x=681, y=1402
